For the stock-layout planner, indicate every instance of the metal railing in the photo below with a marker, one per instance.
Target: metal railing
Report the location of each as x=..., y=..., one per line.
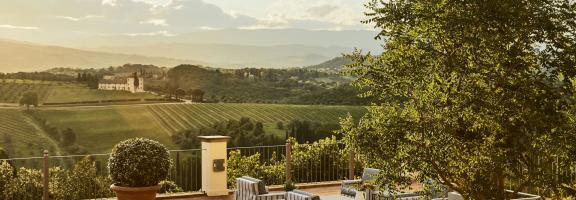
x=300, y=163
x=322, y=162
x=187, y=171
x=90, y=173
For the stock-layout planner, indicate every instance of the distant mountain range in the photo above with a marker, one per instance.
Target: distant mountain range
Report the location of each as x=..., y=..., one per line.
x=229, y=48
x=234, y=48
x=350, y=39
x=332, y=65
x=21, y=56
x=236, y=56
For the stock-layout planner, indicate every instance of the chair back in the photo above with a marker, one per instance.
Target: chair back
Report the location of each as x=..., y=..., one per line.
x=369, y=174
x=301, y=195
x=246, y=189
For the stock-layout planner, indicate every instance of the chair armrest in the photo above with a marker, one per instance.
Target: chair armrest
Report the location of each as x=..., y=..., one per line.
x=351, y=182
x=271, y=196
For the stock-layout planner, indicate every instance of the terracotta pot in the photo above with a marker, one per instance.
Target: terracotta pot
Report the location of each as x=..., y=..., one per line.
x=135, y=193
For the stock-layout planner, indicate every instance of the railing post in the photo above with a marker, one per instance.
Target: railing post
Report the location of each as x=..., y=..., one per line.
x=288, y=161
x=351, y=165
x=46, y=175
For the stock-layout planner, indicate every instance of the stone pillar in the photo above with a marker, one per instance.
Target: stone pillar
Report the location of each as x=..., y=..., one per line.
x=214, y=162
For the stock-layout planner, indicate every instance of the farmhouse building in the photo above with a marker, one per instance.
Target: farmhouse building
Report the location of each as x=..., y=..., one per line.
x=132, y=84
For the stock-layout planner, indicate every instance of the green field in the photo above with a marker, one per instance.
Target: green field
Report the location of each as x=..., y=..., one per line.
x=27, y=139
x=12, y=90
x=99, y=128
x=61, y=92
x=79, y=93
x=185, y=116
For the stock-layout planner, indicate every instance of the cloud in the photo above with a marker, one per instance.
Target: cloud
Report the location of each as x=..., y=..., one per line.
x=157, y=33
x=75, y=19
x=183, y=14
x=321, y=11
x=65, y=19
x=109, y=2
x=208, y=28
x=157, y=22
x=120, y=16
x=8, y=26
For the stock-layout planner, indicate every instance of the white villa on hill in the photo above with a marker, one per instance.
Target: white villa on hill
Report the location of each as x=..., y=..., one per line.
x=132, y=84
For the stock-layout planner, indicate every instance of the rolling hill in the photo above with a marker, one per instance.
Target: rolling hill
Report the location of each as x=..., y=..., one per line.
x=61, y=92
x=20, y=136
x=332, y=65
x=22, y=56
x=98, y=129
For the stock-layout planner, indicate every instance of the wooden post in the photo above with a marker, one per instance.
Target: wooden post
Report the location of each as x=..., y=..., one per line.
x=288, y=161
x=351, y=165
x=178, y=170
x=46, y=175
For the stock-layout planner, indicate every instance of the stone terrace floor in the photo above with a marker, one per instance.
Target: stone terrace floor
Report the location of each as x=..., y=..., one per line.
x=326, y=191
x=329, y=191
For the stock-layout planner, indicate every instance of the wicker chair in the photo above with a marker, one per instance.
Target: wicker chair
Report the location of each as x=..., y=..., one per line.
x=349, y=186
x=301, y=195
x=248, y=188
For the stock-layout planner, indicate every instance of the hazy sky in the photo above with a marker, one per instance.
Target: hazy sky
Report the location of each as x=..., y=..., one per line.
x=61, y=19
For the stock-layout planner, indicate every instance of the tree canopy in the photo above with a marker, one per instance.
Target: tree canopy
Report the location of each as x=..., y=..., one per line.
x=475, y=95
x=29, y=99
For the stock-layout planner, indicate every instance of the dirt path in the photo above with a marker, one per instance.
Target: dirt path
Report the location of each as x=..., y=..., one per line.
x=44, y=135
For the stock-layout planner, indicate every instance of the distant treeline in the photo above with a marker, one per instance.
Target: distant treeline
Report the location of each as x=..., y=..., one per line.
x=202, y=84
x=41, y=76
x=292, y=86
x=247, y=132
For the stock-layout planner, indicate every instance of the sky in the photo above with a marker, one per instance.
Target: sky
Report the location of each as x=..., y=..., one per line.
x=62, y=19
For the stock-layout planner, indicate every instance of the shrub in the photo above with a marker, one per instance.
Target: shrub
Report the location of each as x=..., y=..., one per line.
x=26, y=185
x=6, y=175
x=169, y=187
x=139, y=162
x=81, y=182
x=271, y=172
x=289, y=186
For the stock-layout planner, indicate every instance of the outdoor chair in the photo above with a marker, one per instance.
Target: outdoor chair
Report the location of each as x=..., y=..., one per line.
x=376, y=195
x=301, y=195
x=248, y=188
x=349, y=187
x=436, y=194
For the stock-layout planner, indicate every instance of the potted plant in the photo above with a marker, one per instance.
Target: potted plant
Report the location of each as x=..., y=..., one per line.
x=289, y=186
x=136, y=166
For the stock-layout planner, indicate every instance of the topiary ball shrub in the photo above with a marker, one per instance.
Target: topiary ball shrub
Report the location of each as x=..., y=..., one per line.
x=138, y=162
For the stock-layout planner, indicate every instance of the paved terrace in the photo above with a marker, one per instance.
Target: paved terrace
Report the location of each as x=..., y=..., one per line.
x=326, y=191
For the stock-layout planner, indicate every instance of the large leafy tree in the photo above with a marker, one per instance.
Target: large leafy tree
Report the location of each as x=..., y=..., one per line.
x=476, y=95
x=29, y=99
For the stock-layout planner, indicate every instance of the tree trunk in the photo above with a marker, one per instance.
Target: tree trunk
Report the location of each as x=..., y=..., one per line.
x=498, y=178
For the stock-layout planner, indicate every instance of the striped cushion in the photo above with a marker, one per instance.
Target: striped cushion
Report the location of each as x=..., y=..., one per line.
x=261, y=184
x=271, y=196
x=245, y=189
x=249, y=190
x=301, y=195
